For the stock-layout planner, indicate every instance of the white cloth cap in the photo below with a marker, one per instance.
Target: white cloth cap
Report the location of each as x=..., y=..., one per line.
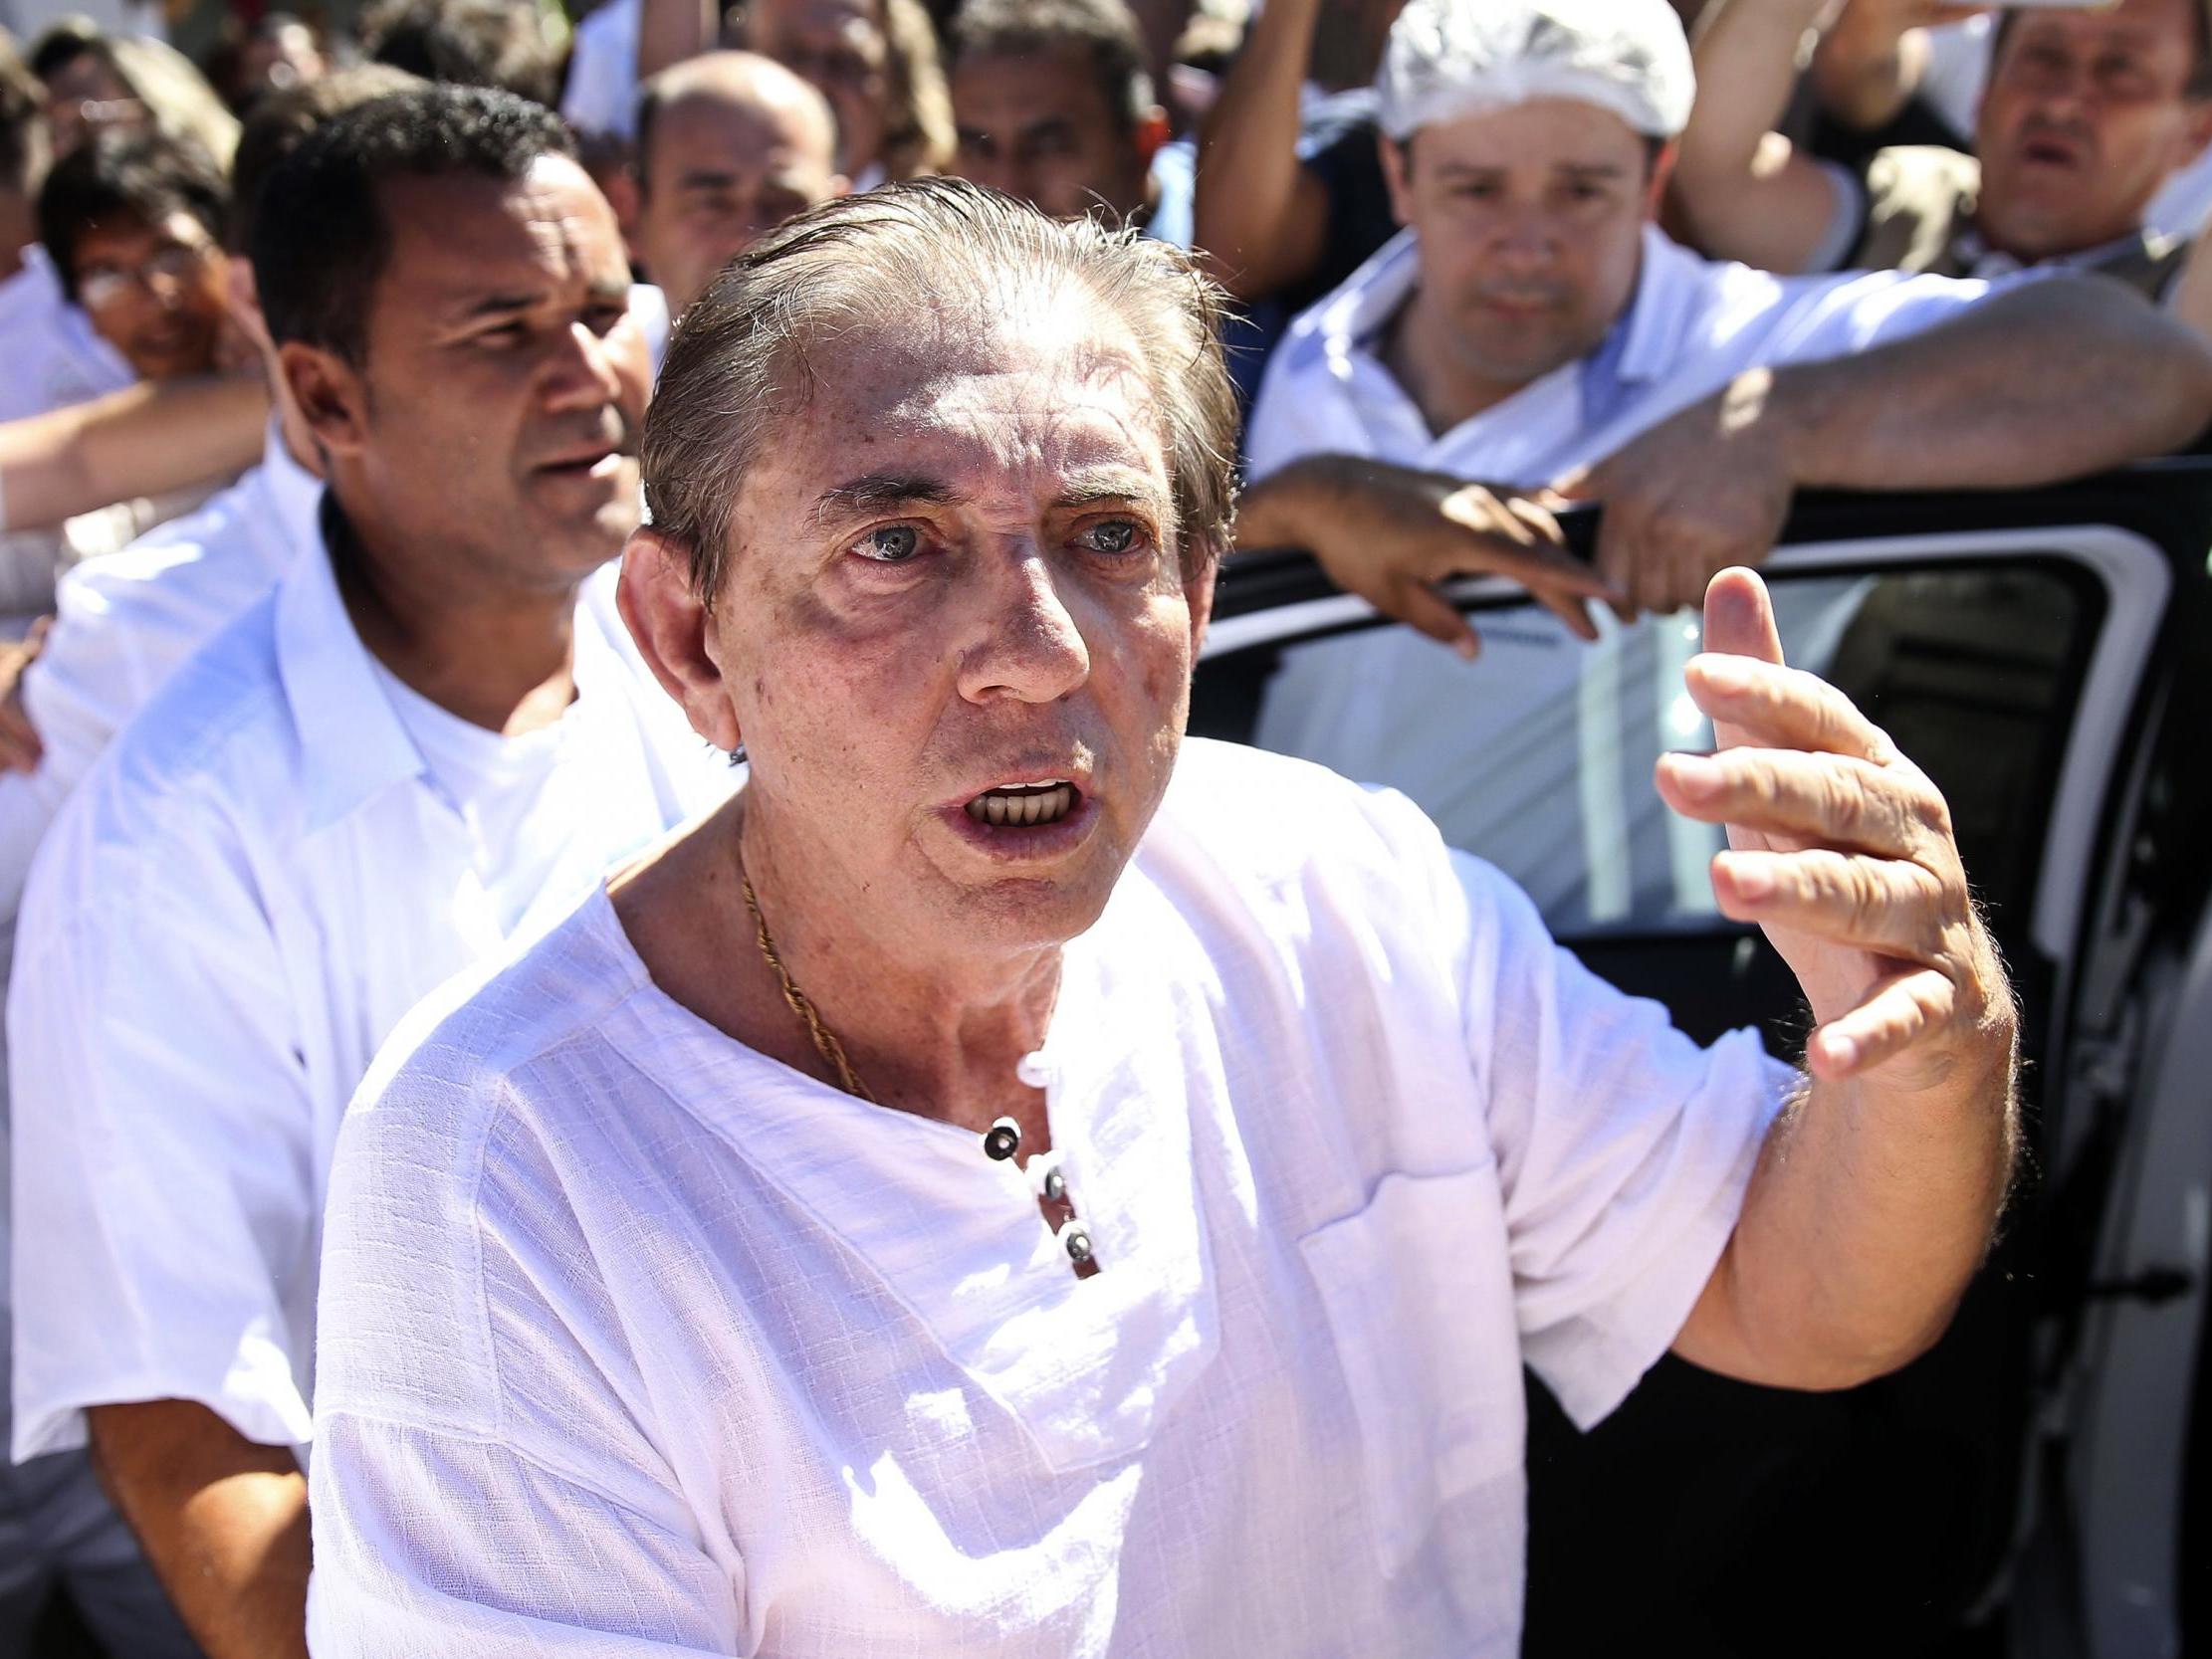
x=1449, y=58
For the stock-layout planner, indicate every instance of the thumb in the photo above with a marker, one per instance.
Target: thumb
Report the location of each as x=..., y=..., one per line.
x=1739, y=616
x=1739, y=622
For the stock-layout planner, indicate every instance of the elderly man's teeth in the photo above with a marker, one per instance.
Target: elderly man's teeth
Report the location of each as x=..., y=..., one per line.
x=1022, y=808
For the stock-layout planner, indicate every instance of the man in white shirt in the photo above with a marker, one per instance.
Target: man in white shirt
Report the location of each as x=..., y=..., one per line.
x=728, y=146
x=995, y=1187
x=420, y=745
x=1532, y=327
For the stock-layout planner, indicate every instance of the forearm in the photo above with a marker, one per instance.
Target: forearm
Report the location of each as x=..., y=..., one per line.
x=1970, y=405
x=144, y=440
x=1866, y=66
x=1750, y=48
x=670, y=30
x=223, y=1521
x=1248, y=177
x=1870, y=1209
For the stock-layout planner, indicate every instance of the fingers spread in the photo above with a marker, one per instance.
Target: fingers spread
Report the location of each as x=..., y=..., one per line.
x=1766, y=705
x=1887, y=906
x=1826, y=801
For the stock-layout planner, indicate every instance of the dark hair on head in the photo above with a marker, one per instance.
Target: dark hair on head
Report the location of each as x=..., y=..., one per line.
x=2197, y=88
x=21, y=122
x=1105, y=31
x=466, y=43
x=321, y=234
x=143, y=175
x=66, y=38
x=280, y=122
x=935, y=259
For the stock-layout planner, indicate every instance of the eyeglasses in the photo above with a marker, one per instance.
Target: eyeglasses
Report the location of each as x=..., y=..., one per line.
x=178, y=262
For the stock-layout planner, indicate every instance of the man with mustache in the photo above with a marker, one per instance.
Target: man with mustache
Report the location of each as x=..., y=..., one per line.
x=418, y=747
x=1533, y=328
x=2086, y=113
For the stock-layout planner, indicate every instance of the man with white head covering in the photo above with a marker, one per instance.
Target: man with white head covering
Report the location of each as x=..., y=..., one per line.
x=1532, y=326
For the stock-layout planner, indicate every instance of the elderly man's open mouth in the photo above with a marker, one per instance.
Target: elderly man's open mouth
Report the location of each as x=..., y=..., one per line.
x=1031, y=817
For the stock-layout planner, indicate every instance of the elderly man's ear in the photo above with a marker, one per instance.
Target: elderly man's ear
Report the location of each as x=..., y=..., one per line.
x=670, y=623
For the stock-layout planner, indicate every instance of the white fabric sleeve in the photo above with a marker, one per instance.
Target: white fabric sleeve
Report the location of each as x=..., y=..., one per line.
x=432, y=1542
x=163, y=1167
x=1835, y=316
x=1846, y=217
x=1623, y=1148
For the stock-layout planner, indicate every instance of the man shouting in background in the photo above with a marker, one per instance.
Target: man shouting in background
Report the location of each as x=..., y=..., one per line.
x=1014, y=1182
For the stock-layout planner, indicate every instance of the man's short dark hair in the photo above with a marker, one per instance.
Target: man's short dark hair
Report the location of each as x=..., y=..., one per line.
x=21, y=122
x=139, y=175
x=321, y=234
x=280, y=123
x=1105, y=31
x=466, y=43
x=2197, y=88
x=67, y=40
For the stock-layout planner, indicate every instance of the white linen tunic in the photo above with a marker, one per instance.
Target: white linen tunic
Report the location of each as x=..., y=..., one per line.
x=256, y=882
x=1692, y=325
x=635, y=1342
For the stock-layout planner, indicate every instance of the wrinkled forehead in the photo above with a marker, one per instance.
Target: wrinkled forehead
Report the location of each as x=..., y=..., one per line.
x=460, y=239
x=721, y=132
x=1002, y=407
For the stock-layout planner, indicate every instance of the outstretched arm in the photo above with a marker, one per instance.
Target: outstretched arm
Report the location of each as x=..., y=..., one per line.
x=1744, y=191
x=1961, y=405
x=141, y=440
x=1874, y=1200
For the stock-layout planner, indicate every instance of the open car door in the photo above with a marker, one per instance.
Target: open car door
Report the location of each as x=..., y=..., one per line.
x=2042, y=655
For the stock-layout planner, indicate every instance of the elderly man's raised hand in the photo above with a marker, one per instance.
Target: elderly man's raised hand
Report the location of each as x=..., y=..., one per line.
x=1842, y=850
x=1394, y=534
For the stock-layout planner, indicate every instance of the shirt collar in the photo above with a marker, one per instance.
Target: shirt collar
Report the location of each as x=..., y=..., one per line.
x=351, y=744
x=1982, y=261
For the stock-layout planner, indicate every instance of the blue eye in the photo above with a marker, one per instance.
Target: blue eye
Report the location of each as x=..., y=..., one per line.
x=892, y=545
x=1111, y=535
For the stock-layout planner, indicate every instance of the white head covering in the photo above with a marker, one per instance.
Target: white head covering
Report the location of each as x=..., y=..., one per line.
x=1449, y=59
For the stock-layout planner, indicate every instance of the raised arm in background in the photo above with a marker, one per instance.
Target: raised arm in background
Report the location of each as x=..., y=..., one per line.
x=1743, y=191
x=1870, y=65
x=1262, y=217
x=144, y=440
x=669, y=31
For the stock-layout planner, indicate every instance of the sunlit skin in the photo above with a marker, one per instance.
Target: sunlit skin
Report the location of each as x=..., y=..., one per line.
x=729, y=163
x=166, y=318
x=2083, y=120
x=496, y=413
x=955, y=568
x=1531, y=224
x=839, y=46
x=1037, y=126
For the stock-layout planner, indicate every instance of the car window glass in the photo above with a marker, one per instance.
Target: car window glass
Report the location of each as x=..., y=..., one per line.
x=1538, y=755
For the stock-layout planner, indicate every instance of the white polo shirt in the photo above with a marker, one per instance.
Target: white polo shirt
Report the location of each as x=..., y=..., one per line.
x=635, y=1342
x=1694, y=326
x=261, y=876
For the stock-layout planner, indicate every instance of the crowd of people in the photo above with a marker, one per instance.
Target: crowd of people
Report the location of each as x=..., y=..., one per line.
x=336, y=378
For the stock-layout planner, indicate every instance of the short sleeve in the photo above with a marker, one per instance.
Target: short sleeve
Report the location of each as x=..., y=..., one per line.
x=432, y=1542
x=163, y=1175
x=1623, y=1148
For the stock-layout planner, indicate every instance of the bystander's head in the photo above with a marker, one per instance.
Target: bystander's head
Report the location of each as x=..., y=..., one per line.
x=728, y=146
x=1526, y=144
x=876, y=60
x=2086, y=113
x=449, y=299
x=466, y=43
x=134, y=225
x=97, y=81
x=278, y=54
x=22, y=156
x=1053, y=105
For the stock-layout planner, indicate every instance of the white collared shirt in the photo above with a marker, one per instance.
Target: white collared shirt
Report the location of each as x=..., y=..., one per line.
x=636, y=1341
x=52, y=355
x=1692, y=327
x=253, y=886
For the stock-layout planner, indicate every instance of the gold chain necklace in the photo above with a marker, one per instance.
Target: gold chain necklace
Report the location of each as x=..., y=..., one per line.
x=825, y=1040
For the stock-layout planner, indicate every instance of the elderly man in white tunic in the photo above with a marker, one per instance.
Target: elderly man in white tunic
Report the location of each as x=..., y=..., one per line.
x=1016, y=1183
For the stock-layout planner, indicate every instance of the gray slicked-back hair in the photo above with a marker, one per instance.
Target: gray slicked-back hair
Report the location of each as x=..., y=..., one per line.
x=951, y=251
